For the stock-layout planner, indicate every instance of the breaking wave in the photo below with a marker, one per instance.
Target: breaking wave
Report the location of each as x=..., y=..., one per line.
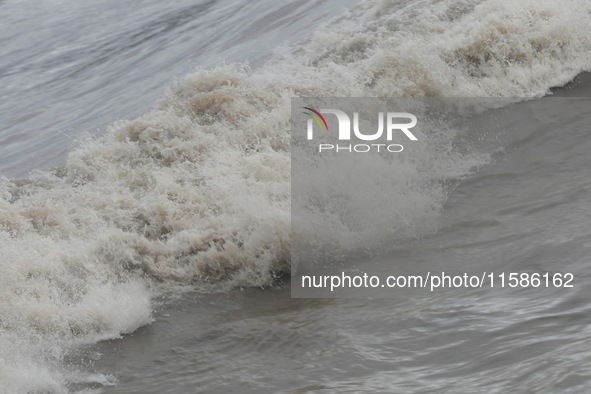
x=196, y=193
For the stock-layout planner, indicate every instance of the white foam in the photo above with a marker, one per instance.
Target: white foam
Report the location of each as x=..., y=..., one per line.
x=459, y=48
x=197, y=192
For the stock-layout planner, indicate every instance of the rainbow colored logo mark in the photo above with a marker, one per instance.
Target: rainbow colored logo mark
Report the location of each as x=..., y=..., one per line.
x=317, y=116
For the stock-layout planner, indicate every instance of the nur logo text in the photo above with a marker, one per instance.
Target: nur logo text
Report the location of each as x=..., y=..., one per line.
x=390, y=123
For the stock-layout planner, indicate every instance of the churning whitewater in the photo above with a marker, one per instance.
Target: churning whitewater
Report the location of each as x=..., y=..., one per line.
x=195, y=194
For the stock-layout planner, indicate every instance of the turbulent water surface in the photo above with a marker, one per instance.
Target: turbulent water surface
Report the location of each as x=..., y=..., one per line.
x=149, y=259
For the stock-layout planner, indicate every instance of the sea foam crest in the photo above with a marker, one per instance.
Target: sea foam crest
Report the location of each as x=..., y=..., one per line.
x=197, y=191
